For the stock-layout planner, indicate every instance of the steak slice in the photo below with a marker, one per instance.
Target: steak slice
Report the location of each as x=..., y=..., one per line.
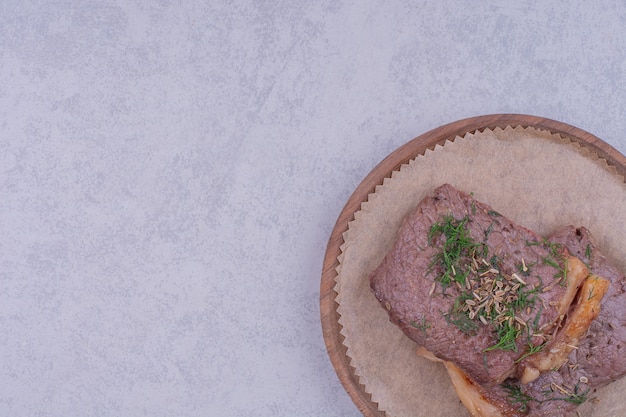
x=473, y=287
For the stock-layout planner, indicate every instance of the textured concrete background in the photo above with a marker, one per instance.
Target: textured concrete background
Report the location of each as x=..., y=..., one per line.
x=170, y=172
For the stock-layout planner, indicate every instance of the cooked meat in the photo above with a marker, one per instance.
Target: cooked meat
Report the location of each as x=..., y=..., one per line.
x=473, y=287
x=558, y=387
x=602, y=353
x=585, y=354
x=479, y=401
x=599, y=357
x=556, y=351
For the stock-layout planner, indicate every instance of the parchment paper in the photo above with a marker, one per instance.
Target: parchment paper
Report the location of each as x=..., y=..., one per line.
x=540, y=180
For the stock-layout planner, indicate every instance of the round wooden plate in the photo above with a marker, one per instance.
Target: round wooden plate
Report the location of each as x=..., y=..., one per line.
x=328, y=306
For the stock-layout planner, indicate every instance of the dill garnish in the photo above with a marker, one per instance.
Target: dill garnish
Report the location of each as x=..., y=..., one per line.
x=577, y=397
x=556, y=259
x=591, y=294
x=421, y=325
x=507, y=333
x=517, y=398
x=531, y=351
x=460, y=318
x=488, y=295
x=458, y=245
x=488, y=231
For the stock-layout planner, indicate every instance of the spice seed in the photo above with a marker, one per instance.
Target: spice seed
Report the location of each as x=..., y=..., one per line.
x=556, y=387
x=514, y=275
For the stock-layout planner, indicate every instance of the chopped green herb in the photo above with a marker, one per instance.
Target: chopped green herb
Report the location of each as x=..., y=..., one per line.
x=561, y=270
x=464, y=323
x=525, y=298
x=507, y=334
x=458, y=245
x=551, y=262
x=577, y=397
x=537, y=317
x=588, y=251
x=468, y=264
x=531, y=351
x=591, y=294
x=517, y=398
x=460, y=318
x=494, y=213
x=521, y=400
x=488, y=231
x=421, y=325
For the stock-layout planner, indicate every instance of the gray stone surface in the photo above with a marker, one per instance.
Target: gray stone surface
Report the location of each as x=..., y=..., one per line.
x=170, y=173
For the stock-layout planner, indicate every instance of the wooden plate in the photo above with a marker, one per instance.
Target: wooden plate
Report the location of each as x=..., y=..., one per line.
x=328, y=306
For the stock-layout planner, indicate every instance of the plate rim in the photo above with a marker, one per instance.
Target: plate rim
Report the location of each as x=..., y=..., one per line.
x=328, y=306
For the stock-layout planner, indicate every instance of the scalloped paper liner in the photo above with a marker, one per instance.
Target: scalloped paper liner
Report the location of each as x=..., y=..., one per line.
x=540, y=180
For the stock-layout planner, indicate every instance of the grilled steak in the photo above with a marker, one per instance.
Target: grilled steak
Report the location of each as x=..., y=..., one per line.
x=525, y=326
x=473, y=287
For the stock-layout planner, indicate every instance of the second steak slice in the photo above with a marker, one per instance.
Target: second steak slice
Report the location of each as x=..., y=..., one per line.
x=473, y=287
